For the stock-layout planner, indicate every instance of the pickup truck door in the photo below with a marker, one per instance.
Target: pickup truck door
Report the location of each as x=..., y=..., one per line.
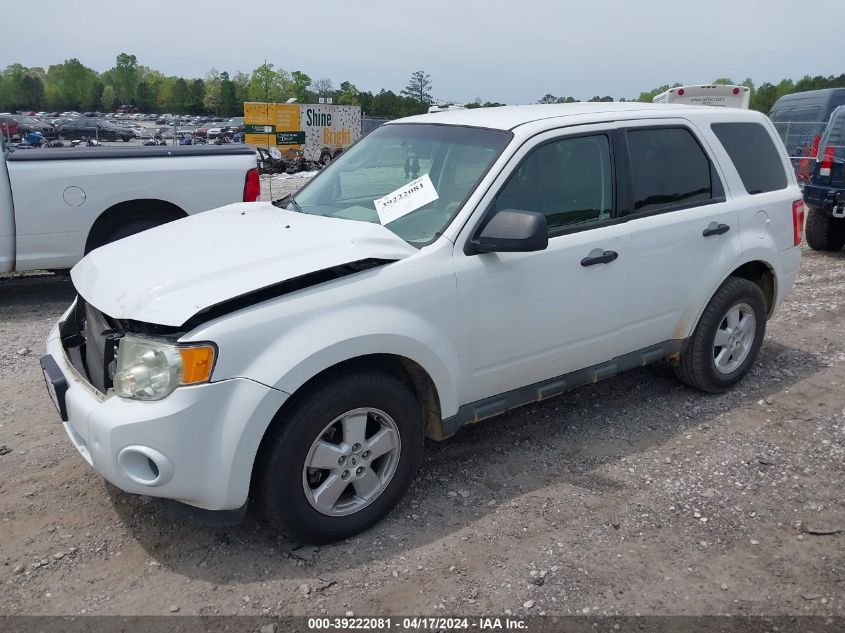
x=684, y=232
x=7, y=219
x=528, y=317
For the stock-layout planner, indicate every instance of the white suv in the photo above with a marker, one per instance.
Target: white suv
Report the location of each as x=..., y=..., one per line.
x=444, y=270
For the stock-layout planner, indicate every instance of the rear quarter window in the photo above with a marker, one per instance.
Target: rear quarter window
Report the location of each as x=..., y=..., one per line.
x=754, y=155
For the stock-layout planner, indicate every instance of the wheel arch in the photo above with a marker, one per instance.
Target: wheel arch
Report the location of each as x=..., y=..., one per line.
x=763, y=275
x=406, y=369
x=122, y=212
x=754, y=269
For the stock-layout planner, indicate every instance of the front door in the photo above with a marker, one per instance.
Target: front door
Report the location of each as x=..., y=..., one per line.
x=528, y=317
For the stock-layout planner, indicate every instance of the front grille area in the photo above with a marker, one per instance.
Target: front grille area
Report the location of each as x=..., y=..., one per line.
x=87, y=337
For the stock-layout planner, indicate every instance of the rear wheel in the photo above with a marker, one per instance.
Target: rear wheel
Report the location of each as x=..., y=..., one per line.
x=824, y=232
x=131, y=228
x=341, y=458
x=325, y=159
x=727, y=338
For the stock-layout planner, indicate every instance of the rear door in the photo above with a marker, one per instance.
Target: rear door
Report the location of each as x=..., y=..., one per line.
x=684, y=232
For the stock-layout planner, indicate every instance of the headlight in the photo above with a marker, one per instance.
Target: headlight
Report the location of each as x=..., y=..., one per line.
x=150, y=369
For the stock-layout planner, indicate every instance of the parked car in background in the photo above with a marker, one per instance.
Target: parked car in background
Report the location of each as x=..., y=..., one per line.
x=800, y=119
x=9, y=127
x=202, y=130
x=824, y=195
x=27, y=124
x=445, y=269
x=101, y=129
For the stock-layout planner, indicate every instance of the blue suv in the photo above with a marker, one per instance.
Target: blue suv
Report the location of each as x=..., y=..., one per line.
x=824, y=195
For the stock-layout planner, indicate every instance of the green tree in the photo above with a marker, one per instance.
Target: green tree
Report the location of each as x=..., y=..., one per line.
x=348, y=94
x=196, y=95
x=108, y=100
x=13, y=86
x=32, y=89
x=125, y=72
x=301, y=83
x=764, y=98
x=211, y=100
x=178, y=97
x=269, y=85
x=548, y=98
x=143, y=97
x=228, y=99
x=418, y=87
x=241, y=81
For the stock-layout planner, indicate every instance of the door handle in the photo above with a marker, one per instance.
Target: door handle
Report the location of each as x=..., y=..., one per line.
x=715, y=229
x=603, y=257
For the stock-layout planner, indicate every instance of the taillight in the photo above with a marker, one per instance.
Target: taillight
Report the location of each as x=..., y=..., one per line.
x=681, y=92
x=827, y=161
x=797, y=221
x=252, y=186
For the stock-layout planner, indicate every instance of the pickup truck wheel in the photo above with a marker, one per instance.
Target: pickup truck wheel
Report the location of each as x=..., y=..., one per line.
x=131, y=228
x=341, y=458
x=824, y=232
x=727, y=338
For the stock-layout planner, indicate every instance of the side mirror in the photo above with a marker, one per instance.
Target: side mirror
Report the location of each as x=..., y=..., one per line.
x=513, y=231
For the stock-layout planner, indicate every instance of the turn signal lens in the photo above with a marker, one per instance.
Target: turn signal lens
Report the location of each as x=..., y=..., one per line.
x=196, y=364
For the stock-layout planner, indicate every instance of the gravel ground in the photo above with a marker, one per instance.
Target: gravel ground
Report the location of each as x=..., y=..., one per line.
x=631, y=496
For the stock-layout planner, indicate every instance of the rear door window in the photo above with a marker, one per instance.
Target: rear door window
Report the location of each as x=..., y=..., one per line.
x=669, y=170
x=754, y=155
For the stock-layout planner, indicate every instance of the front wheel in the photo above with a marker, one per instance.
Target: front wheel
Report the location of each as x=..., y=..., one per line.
x=727, y=338
x=325, y=159
x=341, y=458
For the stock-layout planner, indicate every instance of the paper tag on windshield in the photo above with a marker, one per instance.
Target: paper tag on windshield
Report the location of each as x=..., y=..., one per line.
x=407, y=198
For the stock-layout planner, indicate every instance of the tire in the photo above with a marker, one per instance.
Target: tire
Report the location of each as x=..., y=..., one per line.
x=288, y=491
x=325, y=159
x=824, y=232
x=702, y=364
x=131, y=228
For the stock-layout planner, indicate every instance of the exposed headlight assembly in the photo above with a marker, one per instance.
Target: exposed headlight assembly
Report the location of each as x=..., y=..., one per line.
x=150, y=369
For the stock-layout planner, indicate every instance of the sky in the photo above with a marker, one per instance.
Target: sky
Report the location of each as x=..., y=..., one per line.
x=498, y=50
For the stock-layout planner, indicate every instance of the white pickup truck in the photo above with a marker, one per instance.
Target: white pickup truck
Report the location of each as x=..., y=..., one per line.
x=58, y=204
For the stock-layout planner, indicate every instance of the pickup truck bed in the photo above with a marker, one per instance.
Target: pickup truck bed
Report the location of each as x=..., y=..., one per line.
x=56, y=204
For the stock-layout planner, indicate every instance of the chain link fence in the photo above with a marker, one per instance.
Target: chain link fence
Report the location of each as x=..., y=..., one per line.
x=801, y=139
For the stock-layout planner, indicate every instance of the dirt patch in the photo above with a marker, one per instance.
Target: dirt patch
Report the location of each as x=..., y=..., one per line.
x=631, y=496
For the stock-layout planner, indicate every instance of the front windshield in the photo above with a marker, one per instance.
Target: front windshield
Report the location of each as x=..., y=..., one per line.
x=425, y=171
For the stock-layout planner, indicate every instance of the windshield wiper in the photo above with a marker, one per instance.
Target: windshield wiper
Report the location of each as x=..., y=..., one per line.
x=293, y=203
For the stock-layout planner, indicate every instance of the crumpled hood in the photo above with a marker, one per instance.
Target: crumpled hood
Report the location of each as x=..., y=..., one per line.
x=169, y=273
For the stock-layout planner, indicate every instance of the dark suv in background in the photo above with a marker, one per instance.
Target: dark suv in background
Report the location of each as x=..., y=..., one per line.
x=824, y=195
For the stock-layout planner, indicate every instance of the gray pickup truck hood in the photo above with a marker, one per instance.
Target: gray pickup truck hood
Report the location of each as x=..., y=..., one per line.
x=170, y=273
